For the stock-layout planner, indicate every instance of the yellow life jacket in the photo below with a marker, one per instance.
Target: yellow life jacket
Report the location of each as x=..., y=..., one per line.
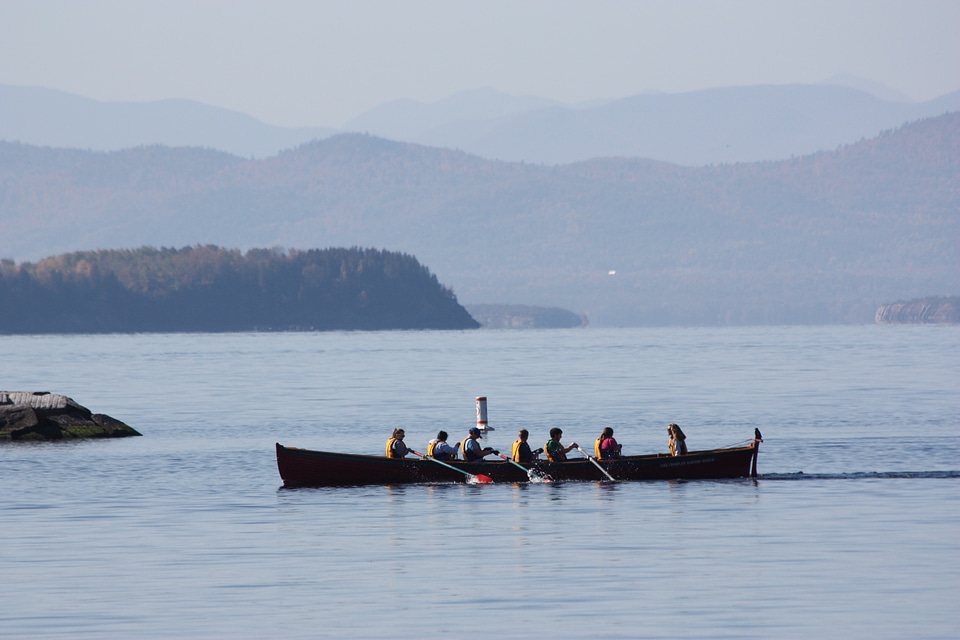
x=390, y=452
x=515, y=452
x=596, y=447
x=431, y=446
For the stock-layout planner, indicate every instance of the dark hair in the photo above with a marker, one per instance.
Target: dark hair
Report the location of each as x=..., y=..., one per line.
x=397, y=432
x=524, y=433
x=607, y=433
x=442, y=435
x=556, y=432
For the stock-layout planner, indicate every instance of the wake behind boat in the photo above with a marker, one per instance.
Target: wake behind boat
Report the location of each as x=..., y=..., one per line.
x=305, y=467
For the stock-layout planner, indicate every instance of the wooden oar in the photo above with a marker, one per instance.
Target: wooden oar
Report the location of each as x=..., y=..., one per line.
x=532, y=475
x=596, y=464
x=477, y=479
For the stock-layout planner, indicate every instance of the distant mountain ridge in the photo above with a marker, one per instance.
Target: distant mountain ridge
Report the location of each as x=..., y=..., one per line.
x=819, y=238
x=712, y=126
x=408, y=120
x=47, y=117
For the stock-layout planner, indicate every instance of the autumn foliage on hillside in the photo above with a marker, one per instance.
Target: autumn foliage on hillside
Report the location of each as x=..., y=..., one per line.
x=208, y=288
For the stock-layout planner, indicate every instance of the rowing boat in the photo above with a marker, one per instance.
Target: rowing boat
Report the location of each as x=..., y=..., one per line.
x=305, y=467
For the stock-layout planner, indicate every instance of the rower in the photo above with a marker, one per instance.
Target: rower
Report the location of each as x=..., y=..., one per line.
x=439, y=449
x=555, y=451
x=606, y=447
x=472, y=452
x=521, y=450
x=395, y=445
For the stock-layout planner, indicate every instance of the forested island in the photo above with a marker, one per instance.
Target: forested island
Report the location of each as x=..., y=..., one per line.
x=209, y=288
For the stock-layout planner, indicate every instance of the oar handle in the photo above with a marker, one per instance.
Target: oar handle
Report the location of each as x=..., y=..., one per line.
x=478, y=478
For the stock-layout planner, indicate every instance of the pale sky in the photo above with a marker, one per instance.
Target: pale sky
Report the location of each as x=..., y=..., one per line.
x=313, y=63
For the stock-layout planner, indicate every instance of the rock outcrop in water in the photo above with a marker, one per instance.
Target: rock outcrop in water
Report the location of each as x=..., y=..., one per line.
x=41, y=415
x=922, y=311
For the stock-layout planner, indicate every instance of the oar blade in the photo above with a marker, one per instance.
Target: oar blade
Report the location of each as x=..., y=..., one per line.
x=538, y=476
x=480, y=479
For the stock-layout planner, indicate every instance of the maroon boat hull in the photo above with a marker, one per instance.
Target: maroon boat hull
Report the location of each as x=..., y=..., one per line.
x=305, y=467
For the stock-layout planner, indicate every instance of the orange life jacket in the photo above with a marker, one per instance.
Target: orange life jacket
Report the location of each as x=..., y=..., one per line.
x=560, y=456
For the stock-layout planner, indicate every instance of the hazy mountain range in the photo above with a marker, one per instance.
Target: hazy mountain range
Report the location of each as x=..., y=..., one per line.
x=734, y=124
x=818, y=238
x=47, y=117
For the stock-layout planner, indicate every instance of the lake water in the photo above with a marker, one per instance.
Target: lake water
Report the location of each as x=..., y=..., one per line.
x=852, y=530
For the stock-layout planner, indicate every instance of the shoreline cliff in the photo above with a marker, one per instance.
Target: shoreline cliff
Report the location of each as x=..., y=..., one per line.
x=939, y=310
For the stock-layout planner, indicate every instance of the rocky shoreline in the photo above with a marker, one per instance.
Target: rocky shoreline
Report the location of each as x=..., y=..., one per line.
x=515, y=316
x=921, y=311
x=33, y=416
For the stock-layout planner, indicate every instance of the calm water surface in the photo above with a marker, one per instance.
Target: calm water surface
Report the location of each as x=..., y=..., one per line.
x=852, y=530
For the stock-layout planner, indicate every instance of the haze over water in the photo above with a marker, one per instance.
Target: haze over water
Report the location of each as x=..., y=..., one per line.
x=851, y=530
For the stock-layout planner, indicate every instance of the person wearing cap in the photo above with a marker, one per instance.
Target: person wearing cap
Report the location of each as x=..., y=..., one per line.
x=472, y=452
x=554, y=449
x=439, y=449
x=395, y=446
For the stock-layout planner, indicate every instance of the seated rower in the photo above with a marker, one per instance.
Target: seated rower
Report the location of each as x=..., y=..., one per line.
x=555, y=451
x=439, y=449
x=678, y=441
x=472, y=452
x=606, y=447
x=521, y=450
x=395, y=446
